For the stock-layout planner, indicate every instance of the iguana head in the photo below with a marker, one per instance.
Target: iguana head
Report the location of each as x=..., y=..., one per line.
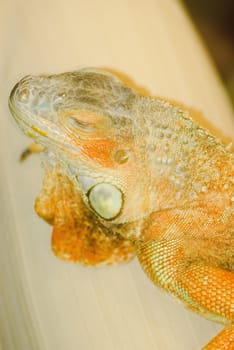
x=87, y=121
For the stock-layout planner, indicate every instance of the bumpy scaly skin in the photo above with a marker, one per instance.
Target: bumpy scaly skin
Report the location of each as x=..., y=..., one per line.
x=127, y=174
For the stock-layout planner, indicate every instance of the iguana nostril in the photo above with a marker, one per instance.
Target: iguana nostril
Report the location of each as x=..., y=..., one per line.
x=24, y=94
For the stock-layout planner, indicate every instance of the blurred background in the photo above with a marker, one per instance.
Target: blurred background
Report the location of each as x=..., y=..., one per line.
x=214, y=20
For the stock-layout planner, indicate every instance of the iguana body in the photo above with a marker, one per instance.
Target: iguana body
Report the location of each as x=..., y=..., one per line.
x=128, y=174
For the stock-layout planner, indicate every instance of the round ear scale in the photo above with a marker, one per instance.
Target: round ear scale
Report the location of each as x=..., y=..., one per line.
x=106, y=200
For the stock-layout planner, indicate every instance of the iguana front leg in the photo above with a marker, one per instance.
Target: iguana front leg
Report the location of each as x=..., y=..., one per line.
x=169, y=259
x=223, y=341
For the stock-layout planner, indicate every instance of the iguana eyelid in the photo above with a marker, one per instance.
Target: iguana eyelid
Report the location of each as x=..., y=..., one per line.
x=83, y=121
x=78, y=123
x=74, y=122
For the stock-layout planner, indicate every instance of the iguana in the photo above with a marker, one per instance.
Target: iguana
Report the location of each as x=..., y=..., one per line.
x=126, y=175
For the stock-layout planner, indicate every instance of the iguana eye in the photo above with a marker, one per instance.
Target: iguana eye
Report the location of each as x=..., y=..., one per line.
x=106, y=199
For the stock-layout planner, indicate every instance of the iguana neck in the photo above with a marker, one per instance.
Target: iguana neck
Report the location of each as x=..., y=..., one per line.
x=185, y=164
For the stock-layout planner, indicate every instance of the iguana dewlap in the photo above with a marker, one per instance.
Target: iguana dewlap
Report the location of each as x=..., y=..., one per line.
x=128, y=174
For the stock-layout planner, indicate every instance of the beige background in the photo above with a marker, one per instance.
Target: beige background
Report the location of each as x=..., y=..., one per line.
x=48, y=304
